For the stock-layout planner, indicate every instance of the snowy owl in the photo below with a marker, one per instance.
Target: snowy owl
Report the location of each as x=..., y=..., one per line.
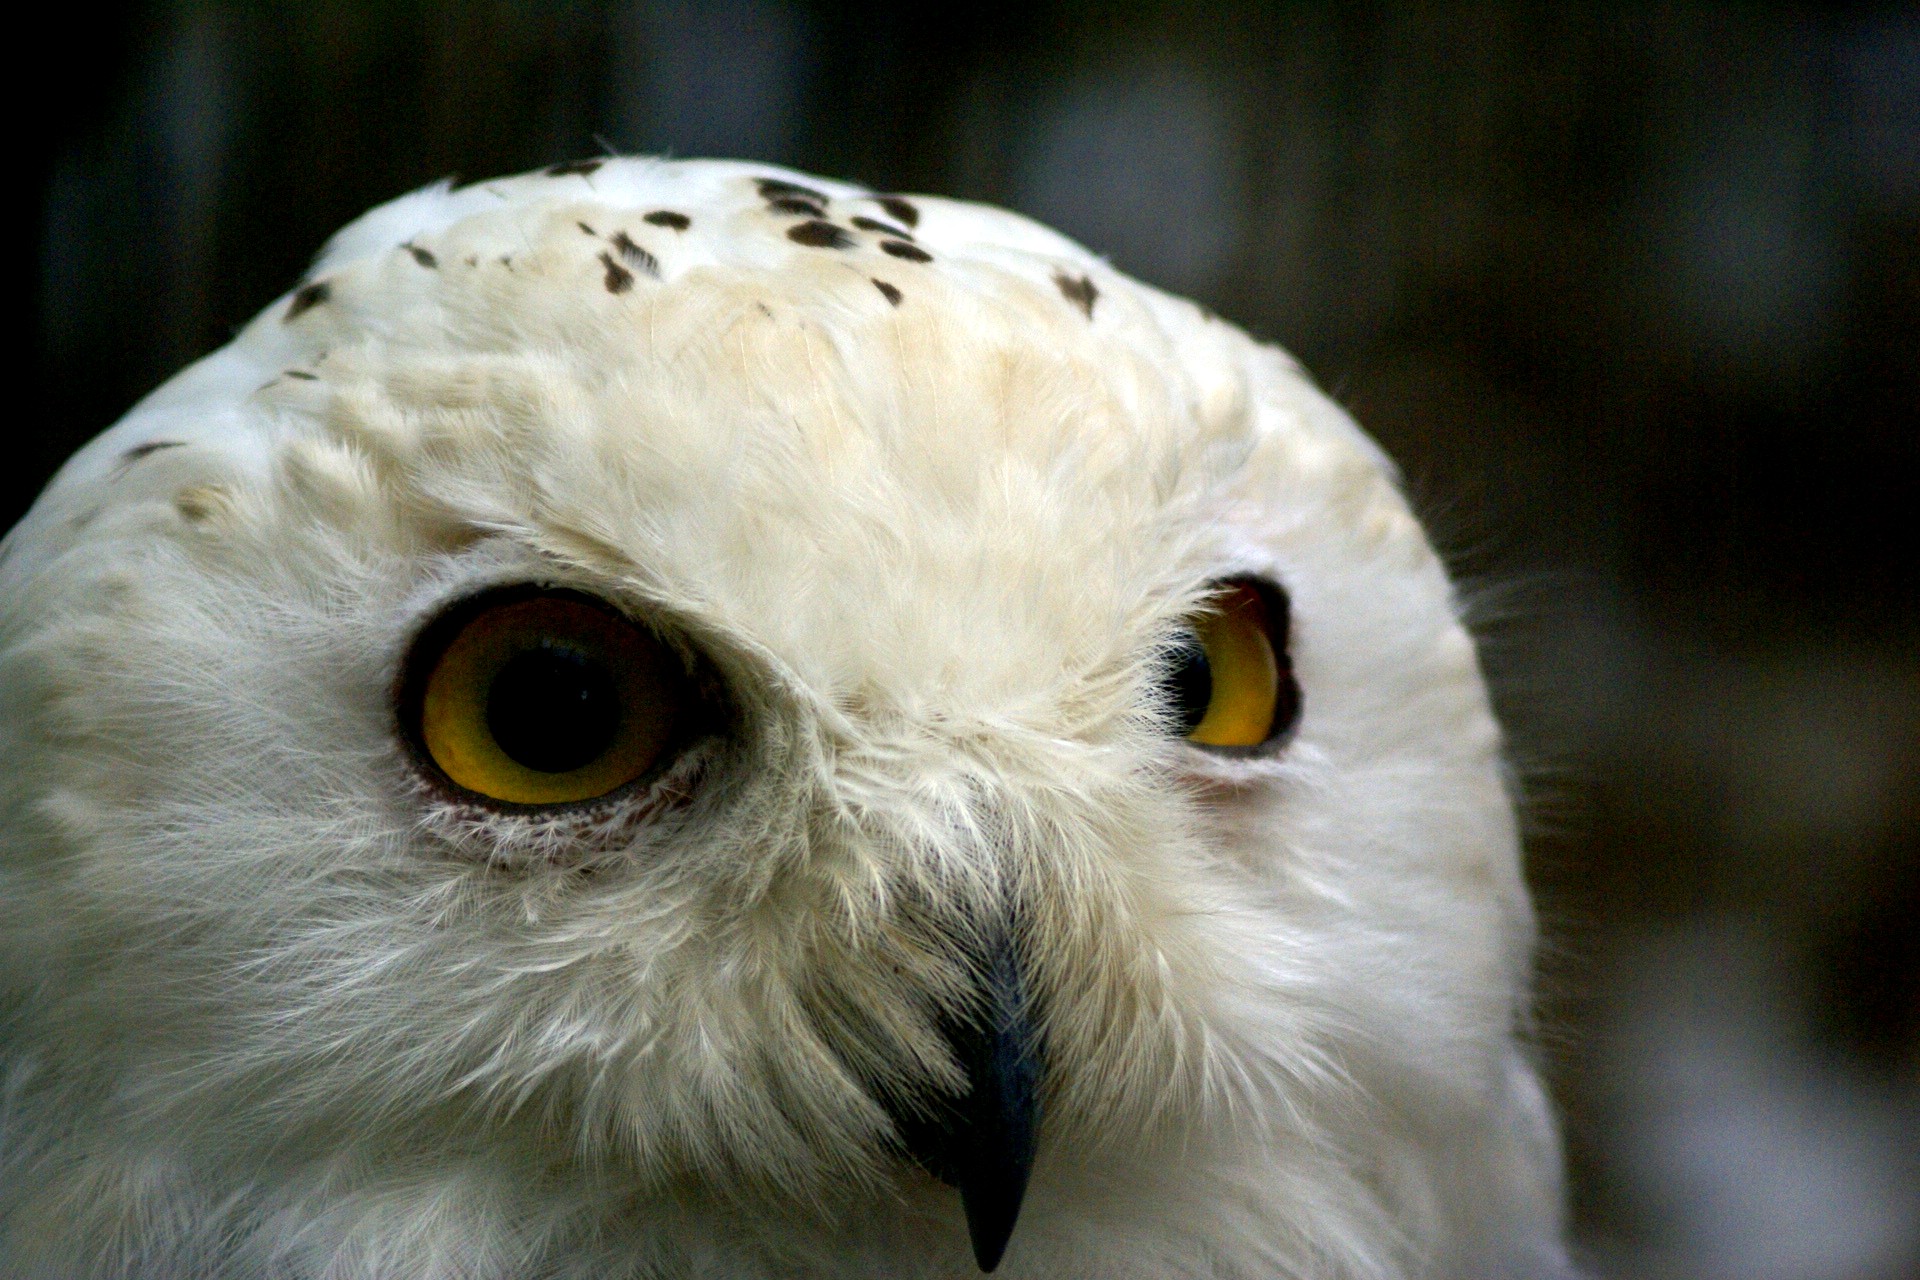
x=681, y=719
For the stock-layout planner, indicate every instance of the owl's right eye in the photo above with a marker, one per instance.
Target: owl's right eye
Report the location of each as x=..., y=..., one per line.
x=1227, y=679
x=529, y=696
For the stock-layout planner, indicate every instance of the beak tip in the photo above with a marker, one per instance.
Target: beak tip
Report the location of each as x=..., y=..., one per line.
x=983, y=1143
x=990, y=1222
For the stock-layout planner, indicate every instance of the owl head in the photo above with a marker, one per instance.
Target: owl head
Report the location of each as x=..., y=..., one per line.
x=684, y=719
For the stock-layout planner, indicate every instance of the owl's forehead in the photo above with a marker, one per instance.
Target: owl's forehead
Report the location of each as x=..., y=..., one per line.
x=757, y=385
x=812, y=358
x=782, y=441
x=771, y=302
x=918, y=340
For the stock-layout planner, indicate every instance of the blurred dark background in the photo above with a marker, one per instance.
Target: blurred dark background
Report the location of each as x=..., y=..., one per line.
x=1632, y=291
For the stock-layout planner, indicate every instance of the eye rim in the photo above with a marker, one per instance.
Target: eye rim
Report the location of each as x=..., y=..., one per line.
x=1289, y=704
x=703, y=715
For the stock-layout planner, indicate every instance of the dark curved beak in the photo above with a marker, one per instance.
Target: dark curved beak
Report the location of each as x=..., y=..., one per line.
x=982, y=1142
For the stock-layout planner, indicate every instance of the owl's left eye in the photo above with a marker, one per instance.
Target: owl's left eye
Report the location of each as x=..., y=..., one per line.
x=1227, y=680
x=529, y=696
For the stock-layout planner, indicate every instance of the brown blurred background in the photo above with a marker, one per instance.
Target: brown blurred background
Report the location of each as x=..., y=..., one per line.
x=1632, y=292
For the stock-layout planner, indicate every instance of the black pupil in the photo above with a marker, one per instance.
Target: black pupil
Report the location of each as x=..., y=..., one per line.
x=553, y=709
x=1189, y=683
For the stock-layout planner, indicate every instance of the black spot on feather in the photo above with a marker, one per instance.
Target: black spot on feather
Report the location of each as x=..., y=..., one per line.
x=422, y=256
x=301, y=375
x=797, y=207
x=307, y=297
x=634, y=255
x=900, y=210
x=584, y=227
x=881, y=228
x=668, y=218
x=619, y=279
x=1080, y=293
x=901, y=249
x=820, y=235
x=140, y=451
x=574, y=168
x=888, y=292
x=775, y=188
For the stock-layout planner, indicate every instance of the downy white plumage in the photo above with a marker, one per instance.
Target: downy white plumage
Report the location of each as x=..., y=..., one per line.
x=930, y=885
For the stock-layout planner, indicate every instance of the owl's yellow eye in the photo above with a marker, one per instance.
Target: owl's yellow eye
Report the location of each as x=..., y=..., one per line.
x=1229, y=680
x=541, y=697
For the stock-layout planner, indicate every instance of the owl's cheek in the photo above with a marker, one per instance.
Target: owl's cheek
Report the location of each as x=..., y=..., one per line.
x=1213, y=783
